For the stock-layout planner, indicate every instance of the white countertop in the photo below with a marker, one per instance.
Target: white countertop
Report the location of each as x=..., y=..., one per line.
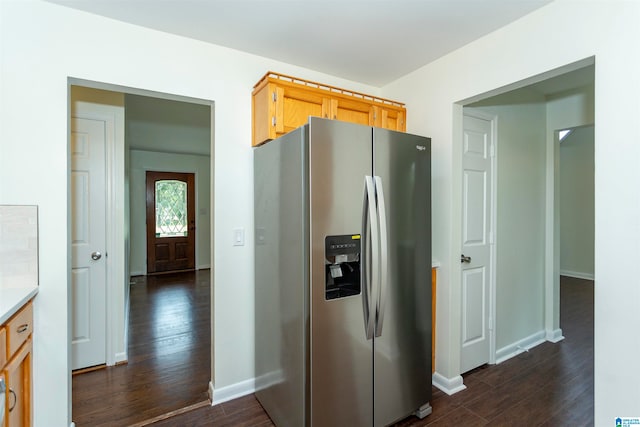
x=12, y=299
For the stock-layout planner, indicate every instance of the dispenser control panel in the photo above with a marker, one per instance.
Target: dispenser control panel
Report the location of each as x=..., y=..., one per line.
x=342, y=266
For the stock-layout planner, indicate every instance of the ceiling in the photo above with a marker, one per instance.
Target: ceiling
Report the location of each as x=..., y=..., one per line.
x=163, y=125
x=368, y=41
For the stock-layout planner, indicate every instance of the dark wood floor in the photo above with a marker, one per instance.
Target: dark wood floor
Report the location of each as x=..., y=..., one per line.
x=169, y=355
x=551, y=385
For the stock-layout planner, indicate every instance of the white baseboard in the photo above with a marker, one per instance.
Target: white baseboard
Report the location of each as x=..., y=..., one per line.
x=121, y=357
x=577, y=274
x=117, y=359
x=269, y=379
x=144, y=273
x=448, y=385
x=230, y=392
x=555, y=336
x=514, y=349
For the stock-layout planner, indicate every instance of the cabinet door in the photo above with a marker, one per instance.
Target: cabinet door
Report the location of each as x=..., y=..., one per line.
x=3, y=347
x=295, y=105
x=352, y=110
x=18, y=375
x=433, y=320
x=280, y=107
x=389, y=118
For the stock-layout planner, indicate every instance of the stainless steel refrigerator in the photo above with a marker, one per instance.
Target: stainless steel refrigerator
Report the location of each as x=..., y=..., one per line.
x=342, y=269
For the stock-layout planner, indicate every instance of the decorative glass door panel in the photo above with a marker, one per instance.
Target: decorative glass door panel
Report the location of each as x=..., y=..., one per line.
x=171, y=208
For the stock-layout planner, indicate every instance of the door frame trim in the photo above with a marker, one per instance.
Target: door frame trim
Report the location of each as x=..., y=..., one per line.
x=493, y=251
x=119, y=165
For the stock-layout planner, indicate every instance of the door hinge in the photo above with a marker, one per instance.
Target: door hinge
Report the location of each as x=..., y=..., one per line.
x=490, y=323
x=492, y=150
x=491, y=241
x=273, y=121
x=274, y=96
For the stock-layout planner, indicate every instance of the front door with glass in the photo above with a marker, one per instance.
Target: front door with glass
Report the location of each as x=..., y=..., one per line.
x=171, y=222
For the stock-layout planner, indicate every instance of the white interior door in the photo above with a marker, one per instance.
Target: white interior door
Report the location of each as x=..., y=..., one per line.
x=477, y=157
x=88, y=274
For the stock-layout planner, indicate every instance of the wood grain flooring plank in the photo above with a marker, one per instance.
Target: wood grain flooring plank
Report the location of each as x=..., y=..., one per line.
x=169, y=355
x=550, y=385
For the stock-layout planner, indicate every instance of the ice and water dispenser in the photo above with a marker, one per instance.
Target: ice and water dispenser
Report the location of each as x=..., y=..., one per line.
x=342, y=266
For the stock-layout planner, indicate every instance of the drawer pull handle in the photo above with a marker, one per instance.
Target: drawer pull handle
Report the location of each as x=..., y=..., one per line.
x=15, y=400
x=23, y=328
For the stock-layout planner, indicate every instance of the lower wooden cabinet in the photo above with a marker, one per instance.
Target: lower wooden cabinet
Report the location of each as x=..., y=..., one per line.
x=433, y=319
x=18, y=366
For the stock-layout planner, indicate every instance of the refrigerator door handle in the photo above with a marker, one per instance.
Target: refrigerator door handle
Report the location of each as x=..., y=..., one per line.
x=370, y=276
x=384, y=256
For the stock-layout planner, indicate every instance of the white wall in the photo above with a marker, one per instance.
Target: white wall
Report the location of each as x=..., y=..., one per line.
x=43, y=44
x=534, y=45
x=576, y=203
x=143, y=161
x=156, y=124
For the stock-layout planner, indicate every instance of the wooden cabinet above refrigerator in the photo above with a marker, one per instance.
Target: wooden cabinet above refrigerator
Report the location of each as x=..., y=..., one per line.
x=282, y=103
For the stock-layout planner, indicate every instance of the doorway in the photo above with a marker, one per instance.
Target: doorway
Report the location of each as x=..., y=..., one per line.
x=171, y=222
x=576, y=194
x=128, y=161
x=527, y=226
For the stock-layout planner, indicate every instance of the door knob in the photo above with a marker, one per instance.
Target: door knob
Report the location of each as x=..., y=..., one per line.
x=465, y=258
x=96, y=256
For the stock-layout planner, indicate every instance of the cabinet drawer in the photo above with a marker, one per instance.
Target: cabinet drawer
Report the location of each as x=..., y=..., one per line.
x=19, y=328
x=3, y=347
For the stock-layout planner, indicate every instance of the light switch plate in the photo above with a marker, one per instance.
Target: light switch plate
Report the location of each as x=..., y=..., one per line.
x=238, y=237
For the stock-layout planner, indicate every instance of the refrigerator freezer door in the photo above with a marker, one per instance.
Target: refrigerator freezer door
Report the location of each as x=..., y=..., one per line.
x=340, y=156
x=281, y=281
x=402, y=352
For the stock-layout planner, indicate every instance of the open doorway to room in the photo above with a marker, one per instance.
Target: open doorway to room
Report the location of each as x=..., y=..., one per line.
x=524, y=308
x=575, y=176
x=157, y=329
x=533, y=305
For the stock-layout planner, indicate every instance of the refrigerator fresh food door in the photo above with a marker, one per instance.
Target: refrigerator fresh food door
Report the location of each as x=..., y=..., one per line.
x=340, y=157
x=402, y=346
